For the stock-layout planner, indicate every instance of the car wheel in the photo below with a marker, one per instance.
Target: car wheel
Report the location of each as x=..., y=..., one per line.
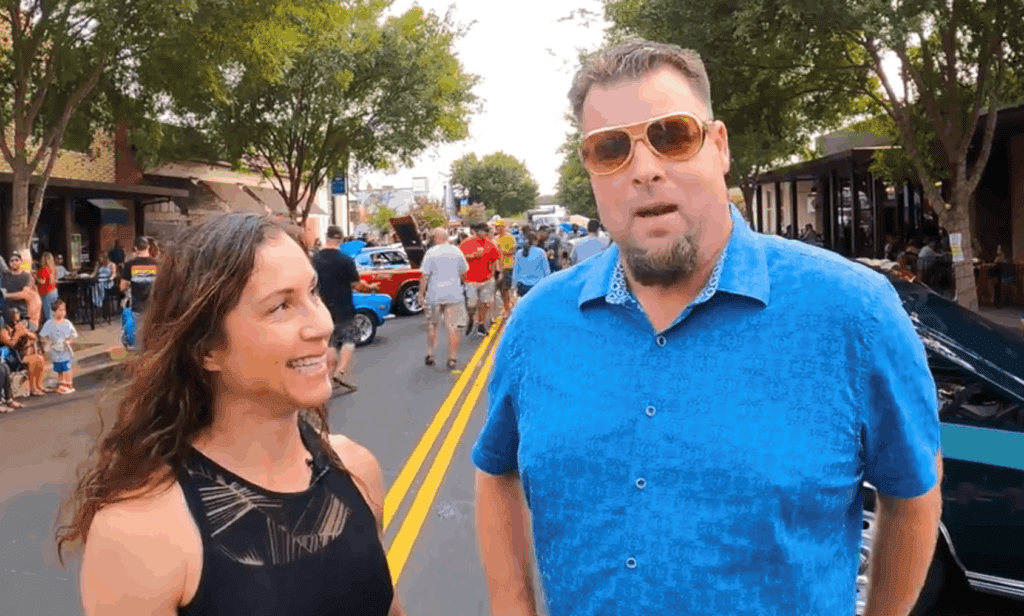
x=409, y=299
x=366, y=326
x=933, y=582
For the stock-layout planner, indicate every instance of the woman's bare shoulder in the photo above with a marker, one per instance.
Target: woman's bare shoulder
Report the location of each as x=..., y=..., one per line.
x=361, y=462
x=139, y=553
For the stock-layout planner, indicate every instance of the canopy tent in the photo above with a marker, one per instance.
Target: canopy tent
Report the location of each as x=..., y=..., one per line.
x=579, y=220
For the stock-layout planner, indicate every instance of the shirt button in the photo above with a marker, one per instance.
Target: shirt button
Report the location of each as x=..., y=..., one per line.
x=650, y=411
x=641, y=483
x=661, y=341
x=631, y=563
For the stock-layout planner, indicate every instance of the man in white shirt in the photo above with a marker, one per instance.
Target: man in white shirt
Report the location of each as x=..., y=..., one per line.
x=444, y=270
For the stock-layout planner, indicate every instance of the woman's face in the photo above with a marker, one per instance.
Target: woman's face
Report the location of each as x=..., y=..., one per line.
x=277, y=336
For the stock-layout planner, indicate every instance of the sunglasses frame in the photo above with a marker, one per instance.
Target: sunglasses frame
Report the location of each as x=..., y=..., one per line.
x=638, y=131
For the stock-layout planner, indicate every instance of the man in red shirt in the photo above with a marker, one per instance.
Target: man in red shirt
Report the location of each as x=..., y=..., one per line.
x=483, y=257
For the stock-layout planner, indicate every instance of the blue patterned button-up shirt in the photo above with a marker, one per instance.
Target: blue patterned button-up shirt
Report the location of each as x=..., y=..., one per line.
x=714, y=467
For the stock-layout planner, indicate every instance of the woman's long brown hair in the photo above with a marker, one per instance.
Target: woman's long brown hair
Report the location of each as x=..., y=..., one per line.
x=167, y=398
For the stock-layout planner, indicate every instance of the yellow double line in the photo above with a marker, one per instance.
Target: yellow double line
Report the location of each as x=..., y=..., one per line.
x=401, y=547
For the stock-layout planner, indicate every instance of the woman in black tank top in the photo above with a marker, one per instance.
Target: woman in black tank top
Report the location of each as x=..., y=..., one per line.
x=219, y=480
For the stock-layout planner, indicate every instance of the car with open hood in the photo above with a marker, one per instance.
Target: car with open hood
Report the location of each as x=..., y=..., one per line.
x=978, y=367
x=396, y=269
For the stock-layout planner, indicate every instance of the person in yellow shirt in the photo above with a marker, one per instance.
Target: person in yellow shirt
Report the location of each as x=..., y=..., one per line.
x=507, y=247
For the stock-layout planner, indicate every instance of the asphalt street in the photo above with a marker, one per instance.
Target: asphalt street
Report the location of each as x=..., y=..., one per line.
x=420, y=421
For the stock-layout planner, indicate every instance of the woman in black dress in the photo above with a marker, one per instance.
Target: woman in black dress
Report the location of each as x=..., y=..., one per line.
x=219, y=489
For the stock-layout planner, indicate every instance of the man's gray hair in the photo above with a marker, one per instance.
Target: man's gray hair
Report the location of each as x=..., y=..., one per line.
x=631, y=60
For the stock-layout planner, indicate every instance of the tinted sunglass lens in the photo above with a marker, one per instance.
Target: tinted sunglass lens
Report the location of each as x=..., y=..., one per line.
x=676, y=137
x=608, y=150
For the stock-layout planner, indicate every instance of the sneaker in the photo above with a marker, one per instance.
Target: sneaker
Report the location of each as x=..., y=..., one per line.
x=481, y=330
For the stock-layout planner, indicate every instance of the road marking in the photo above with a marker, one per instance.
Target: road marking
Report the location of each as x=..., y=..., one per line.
x=401, y=547
x=395, y=496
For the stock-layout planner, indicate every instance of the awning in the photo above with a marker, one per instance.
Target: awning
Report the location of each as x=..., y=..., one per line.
x=235, y=197
x=270, y=198
x=110, y=212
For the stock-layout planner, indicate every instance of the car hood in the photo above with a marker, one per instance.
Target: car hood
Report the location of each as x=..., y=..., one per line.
x=406, y=229
x=964, y=338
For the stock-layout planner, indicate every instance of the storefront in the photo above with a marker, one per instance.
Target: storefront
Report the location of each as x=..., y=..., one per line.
x=81, y=220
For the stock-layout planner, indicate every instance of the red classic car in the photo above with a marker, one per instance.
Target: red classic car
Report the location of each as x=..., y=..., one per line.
x=396, y=268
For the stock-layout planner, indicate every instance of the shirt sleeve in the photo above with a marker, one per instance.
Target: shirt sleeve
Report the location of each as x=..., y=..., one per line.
x=901, y=434
x=497, y=448
x=351, y=269
x=71, y=328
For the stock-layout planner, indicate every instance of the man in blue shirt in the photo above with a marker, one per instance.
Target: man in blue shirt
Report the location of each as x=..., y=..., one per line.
x=589, y=246
x=698, y=443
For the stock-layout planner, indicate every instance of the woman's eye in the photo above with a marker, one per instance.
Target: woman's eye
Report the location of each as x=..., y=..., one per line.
x=280, y=306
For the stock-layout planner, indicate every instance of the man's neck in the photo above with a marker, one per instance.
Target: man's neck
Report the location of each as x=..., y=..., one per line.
x=663, y=304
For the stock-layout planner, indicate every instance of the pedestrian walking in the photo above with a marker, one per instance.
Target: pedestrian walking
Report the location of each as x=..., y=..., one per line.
x=442, y=287
x=704, y=449
x=338, y=278
x=223, y=492
x=57, y=335
x=507, y=247
x=590, y=245
x=531, y=265
x=138, y=276
x=482, y=256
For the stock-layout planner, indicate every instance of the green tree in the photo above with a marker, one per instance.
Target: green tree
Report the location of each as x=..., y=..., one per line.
x=770, y=96
x=957, y=60
x=73, y=69
x=573, y=189
x=499, y=180
x=356, y=92
x=429, y=214
x=381, y=219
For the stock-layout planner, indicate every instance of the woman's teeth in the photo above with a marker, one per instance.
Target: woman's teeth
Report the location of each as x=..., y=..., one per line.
x=308, y=366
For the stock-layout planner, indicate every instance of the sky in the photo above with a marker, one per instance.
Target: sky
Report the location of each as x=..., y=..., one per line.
x=526, y=58
x=525, y=53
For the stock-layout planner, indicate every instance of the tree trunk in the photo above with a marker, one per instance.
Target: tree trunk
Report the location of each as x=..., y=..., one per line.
x=748, y=200
x=19, y=236
x=956, y=218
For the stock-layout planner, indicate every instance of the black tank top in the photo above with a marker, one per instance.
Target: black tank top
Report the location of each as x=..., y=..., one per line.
x=311, y=553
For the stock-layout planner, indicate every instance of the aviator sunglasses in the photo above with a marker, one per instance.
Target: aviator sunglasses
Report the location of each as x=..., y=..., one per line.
x=676, y=136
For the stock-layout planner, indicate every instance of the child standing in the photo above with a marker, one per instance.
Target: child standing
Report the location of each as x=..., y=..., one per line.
x=58, y=333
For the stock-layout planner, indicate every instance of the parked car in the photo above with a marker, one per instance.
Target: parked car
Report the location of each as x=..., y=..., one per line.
x=372, y=309
x=978, y=367
x=396, y=268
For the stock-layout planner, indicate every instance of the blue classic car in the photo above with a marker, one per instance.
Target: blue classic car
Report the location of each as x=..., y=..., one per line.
x=978, y=367
x=372, y=309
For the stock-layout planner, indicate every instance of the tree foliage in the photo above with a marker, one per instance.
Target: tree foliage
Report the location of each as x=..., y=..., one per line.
x=499, y=180
x=429, y=214
x=573, y=190
x=355, y=91
x=381, y=219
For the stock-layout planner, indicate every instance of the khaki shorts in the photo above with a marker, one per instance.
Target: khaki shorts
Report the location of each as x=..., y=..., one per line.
x=454, y=314
x=478, y=292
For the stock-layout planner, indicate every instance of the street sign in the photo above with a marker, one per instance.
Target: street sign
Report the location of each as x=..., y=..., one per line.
x=338, y=186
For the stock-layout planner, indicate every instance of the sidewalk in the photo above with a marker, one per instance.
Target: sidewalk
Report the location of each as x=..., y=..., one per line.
x=1007, y=317
x=96, y=349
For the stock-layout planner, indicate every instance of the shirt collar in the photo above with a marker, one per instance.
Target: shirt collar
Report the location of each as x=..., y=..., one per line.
x=742, y=269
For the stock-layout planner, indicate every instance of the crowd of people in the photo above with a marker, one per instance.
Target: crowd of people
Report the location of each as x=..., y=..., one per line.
x=34, y=323
x=460, y=285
